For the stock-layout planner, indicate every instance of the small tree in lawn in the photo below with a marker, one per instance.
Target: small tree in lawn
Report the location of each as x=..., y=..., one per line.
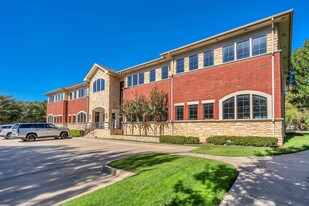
x=127, y=110
x=157, y=106
x=139, y=108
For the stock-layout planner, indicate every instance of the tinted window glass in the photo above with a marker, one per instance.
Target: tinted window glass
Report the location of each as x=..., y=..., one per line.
x=259, y=107
x=164, y=72
x=259, y=45
x=209, y=58
x=228, y=109
x=15, y=126
x=193, y=60
x=152, y=75
x=130, y=81
x=179, y=112
x=25, y=126
x=193, y=112
x=141, y=78
x=180, y=66
x=208, y=111
x=40, y=125
x=134, y=79
x=243, y=49
x=243, y=106
x=228, y=53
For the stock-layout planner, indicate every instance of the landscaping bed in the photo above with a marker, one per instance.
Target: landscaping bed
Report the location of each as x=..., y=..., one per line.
x=293, y=143
x=163, y=179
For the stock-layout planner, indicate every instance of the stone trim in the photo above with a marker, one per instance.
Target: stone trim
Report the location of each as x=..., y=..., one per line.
x=193, y=103
x=179, y=104
x=208, y=101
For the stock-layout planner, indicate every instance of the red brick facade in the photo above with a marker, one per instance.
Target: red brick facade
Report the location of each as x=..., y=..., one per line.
x=218, y=81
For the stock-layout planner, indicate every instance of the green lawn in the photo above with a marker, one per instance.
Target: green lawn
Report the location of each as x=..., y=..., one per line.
x=293, y=143
x=163, y=179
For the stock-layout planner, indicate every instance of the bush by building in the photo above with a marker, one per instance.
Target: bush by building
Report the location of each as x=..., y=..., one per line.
x=179, y=139
x=77, y=133
x=244, y=141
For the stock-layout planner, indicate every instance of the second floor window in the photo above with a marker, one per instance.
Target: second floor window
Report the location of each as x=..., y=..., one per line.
x=134, y=79
x=259, y=45
x=99, y=85
x=180, y=66
x=130, y=81
x=208, y=58
x=193, y=61
x=228, y=53
x=152, y=75
x=164, y=72
x=141, y=78
x=243, y=49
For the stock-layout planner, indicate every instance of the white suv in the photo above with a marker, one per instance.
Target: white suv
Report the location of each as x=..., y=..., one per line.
x=6, y=130
x=33, y=131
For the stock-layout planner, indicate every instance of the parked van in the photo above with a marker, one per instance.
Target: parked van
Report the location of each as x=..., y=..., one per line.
x=6, y=130
x=33, y=131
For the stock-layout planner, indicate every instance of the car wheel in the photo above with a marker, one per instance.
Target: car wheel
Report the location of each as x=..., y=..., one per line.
x=8, y=136
x=31, y=137
x=56, y=137
x=64, y=135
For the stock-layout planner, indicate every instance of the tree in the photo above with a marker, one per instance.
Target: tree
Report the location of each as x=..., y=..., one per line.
x=157, y=106
x=9, y=109
x=300, y=76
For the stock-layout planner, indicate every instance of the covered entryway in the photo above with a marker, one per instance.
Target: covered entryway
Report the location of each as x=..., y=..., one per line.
x=98, y=118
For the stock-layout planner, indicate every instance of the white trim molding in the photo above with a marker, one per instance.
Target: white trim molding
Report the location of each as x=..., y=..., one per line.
x=208, y=101
x=250, y=92
x=179, y=104
x=192, y=103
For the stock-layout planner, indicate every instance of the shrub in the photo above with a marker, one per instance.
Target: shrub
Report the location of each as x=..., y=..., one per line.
x=77, y=133
x=244, y=141
x=179, y=139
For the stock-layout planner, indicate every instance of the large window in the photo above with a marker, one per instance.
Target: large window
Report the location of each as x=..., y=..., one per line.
x=193, y=112
x=208, y=58
x=134, y=79
x=81, y=117
x=243, y=49
x=99, y=85
x=208, y=111
x=83, y=92
x=179, y=112
x=193, y=62
x=259, y=45
x=164, y=72
x=152, y=75
x=130, y=81
x=246, y=106
x=228, y=53
x=243, y=106
x=259, y=107
x=180, y=66
x=141, y=78
x=50, y=119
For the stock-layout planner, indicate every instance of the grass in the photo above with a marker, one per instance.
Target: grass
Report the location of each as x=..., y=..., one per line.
x=293, y=143
x=163, y=179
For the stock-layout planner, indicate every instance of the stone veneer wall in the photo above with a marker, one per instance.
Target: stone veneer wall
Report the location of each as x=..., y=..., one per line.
x=204, y=129
x=107, y=134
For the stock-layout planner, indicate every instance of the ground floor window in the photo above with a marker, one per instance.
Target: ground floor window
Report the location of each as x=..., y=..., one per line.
x=50, y=119
x=179, y=112
x=208, y=111
x=81, y=117
x=193, y=112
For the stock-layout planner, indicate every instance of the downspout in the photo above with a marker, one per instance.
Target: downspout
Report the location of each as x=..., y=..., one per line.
x=273, y=75
x=172, y=95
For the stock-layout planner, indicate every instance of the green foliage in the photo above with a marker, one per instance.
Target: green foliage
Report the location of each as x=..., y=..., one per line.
x=10, y=109
x=244, y=141
x=179, y=139
x=300, y=76
x=157, y=104
x=77, y=133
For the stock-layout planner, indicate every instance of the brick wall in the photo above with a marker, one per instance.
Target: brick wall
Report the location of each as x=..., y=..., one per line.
x=57, y=108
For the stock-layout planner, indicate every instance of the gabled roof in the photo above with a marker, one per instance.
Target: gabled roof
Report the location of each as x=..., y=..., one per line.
x=105, y=69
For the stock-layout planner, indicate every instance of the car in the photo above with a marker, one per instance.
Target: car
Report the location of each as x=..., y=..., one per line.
x=6, y=130
x=33, y=131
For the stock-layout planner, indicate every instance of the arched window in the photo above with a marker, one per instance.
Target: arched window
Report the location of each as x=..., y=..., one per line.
x=99, y=85
x=81, y=117
x=245, y=105
x=50, y=119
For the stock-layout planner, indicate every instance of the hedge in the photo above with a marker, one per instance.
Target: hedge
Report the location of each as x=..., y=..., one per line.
x=179, y=139
x=77, y=133
x=244, y=141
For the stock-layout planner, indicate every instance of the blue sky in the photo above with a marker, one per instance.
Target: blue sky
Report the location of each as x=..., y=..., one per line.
x=48, y=44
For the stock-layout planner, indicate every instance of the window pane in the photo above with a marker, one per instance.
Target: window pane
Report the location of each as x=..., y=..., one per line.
x=164, y=72
x=243, y=106
x=228, y=109
x=243, y=49
x=193, y=112
x=208, y=111
x=102, y=84
x=259, y=45
x=193, y=61
x=259, y=107
x=228, y=53
x=134, y=79
x=179, y=112
x=152, y=75
x=180, y=66
x=98, y=85
x=130, y=81
x=141, y=78
x=209, y=58
x=94, y=88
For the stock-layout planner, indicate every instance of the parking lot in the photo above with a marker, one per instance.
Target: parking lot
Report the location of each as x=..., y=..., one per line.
x=48, y=171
